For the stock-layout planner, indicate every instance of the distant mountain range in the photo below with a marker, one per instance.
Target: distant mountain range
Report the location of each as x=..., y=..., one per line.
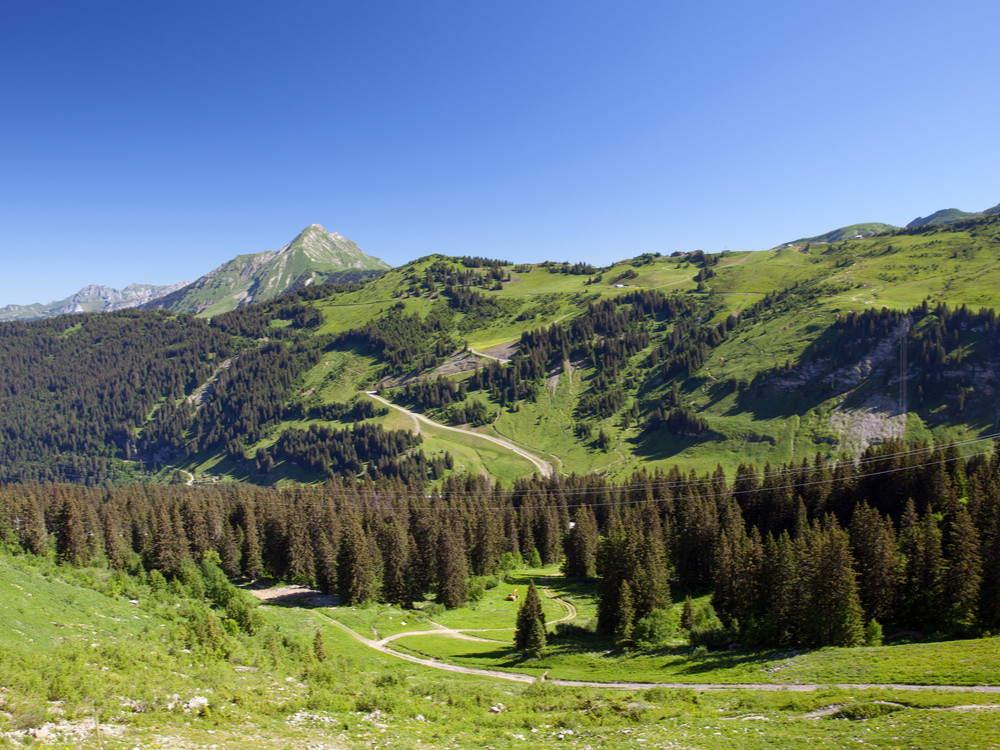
x=858, y=231
x=92, y=298
x=315, y=256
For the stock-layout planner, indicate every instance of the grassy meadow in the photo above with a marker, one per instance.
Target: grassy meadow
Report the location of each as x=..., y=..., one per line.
x=82, y=643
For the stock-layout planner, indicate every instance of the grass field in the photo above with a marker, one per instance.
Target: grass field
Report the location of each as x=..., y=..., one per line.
x=80, y=643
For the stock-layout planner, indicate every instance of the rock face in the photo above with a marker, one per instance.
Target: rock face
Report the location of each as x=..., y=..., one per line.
x=92, y=298
x=315, y=256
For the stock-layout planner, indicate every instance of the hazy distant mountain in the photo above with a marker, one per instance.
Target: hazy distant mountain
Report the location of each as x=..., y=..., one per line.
x=315, y=256
x=92, y=298
x=950, y=216
x=857, y=231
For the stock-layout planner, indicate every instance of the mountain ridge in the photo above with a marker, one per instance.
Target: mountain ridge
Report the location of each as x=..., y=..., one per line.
x=92, y=298
x=313, y=256
x=942, y=217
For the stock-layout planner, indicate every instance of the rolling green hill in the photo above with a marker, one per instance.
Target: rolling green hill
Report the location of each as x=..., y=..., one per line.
x=852, y=232
x=950, y=216
x=691, y=360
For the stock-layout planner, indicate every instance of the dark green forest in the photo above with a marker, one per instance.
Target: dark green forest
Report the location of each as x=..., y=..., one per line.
x=809, y=554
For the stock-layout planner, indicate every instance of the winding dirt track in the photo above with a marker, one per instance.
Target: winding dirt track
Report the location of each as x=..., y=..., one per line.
x=805, y=687
x=543, y=466
x=488, y=356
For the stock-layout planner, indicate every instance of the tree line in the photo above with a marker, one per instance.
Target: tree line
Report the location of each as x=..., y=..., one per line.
x=805, y=554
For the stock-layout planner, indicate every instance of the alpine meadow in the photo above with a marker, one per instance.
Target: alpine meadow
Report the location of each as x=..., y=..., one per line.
x=696, y=500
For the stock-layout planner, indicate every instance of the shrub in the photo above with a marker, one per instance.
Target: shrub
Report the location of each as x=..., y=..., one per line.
x=434, y=609
x=873, y=633
x=656, y=629
x=708, y=630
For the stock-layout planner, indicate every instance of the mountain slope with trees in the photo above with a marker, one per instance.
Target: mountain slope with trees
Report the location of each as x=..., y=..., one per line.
x=689, y=359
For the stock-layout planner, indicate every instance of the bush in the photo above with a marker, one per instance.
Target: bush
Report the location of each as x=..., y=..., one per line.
x=475, y=589
x=434, y=609
x=510, y=561
x=868, y=710
x=873, y=633
x=708, y=630
x=656, y=629
x=570, y=631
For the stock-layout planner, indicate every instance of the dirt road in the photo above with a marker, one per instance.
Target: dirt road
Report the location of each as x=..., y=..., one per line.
x=806, y=687
x=382, y=645
x=543, y=466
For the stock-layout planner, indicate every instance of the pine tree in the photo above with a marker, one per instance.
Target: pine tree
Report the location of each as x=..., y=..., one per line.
x=873, y=546
x=355, y=581
x=453, y=569
x=965, y=568
x=625, y=625
x=529, y=614
x=319, y=651
x=71, y=540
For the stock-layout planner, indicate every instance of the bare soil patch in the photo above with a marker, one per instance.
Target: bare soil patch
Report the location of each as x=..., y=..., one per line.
x=290, y=595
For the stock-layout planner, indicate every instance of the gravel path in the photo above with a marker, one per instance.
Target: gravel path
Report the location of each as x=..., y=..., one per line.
x=805, y=687
x=543, y=466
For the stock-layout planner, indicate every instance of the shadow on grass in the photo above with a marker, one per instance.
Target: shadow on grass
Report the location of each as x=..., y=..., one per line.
x=714, y=661
x=656, y=445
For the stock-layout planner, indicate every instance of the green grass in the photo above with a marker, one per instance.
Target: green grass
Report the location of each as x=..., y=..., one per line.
x=269, y=690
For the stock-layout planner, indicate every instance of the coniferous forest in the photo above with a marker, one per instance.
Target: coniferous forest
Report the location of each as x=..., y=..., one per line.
x=794, y=556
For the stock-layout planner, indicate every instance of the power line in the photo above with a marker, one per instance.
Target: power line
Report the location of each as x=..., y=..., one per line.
x=371, y=493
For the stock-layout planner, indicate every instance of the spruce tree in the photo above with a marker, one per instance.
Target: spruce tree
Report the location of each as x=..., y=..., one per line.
x=355, y=582
x=581, y=545
x=687, y=614
x=965, y=568
x=536, y=640
x=989, y=595
x=528, y=615
x=71, y=540
x=319, y=651
x=873, y=546
x=625, y=625
x=452, y=568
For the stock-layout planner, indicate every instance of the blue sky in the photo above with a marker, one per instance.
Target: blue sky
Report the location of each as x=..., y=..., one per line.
x=150, y=142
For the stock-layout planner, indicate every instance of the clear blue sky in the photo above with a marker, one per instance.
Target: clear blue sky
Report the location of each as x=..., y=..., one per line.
x=150, y=142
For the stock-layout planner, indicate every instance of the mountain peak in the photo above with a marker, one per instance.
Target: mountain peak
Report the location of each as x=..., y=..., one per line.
x=314, y=256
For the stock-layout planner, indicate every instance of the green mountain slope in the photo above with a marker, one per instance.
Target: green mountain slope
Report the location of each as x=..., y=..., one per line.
x=690, y=360
x=314, y=256
x=950, y=216
x=852, y=232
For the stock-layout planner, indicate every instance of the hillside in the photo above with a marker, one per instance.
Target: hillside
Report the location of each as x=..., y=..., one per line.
x=950, y=216
x=315, y=256
x=852, y=232
x=688, y=360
